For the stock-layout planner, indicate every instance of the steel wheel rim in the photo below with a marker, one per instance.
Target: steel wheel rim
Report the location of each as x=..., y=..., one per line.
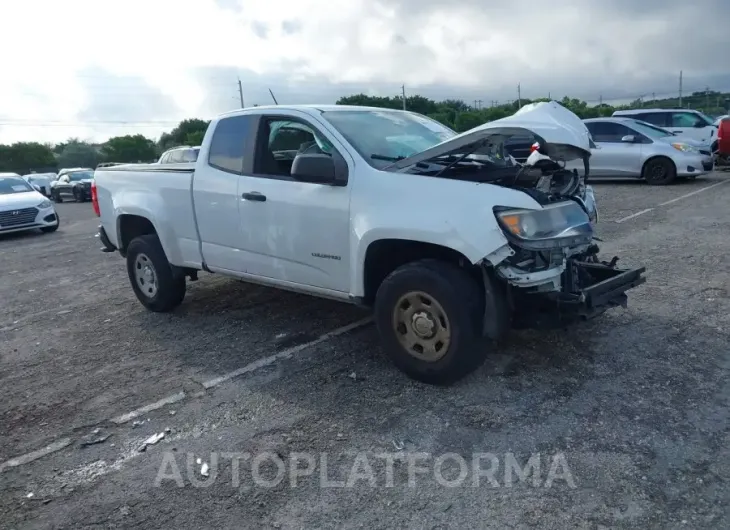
x=145, y=275
x=421, y=326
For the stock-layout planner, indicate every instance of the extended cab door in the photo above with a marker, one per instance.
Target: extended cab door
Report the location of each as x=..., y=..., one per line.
x=215, y=193
x=294, y=232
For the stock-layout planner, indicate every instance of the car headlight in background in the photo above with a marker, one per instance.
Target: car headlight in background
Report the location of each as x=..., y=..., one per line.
x=45, y=204
x=561, y=224
x=685, y=148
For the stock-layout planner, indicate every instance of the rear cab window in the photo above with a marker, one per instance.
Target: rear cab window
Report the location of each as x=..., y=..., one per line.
x=229, y=142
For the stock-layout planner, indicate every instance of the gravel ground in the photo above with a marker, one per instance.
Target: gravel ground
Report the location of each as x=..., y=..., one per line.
x=627, y=415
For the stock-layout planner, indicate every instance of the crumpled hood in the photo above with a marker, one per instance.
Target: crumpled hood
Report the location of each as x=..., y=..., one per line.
x=562, y=134
x=20, y=200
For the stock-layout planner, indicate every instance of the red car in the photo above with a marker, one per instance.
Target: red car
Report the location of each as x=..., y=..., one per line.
x=723, y=142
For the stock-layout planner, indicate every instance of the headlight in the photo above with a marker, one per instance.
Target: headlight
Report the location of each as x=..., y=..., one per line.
x=45, y=204
x=561, y=224
x=685, y=148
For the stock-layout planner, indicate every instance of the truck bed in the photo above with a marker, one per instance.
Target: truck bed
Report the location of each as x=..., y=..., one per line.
x=125, y=190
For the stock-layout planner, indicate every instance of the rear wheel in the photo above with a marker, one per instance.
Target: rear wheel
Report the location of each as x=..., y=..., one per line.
x=659, y=171
x=151, y=275
x=428, y=316
x=78, y=195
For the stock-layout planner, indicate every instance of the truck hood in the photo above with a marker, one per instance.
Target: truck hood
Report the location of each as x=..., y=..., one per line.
x=21, y=200
x=561, y=134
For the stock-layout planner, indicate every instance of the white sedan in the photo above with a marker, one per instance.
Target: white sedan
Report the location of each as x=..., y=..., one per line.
x=23, y=208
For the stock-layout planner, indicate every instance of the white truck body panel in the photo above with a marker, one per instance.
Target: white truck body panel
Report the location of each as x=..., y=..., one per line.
x=203, y=222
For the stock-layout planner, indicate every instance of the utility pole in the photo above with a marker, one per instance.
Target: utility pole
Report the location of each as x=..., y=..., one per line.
x=653, y=96
x=519, y=96
x=680, y=89
x=240, y=92
x=479, y=102
x=600, y=100
x=707, y=98
x=403, y=91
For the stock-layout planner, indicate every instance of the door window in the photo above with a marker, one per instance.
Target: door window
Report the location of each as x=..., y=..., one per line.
x=660, y=119
x=282, y=140
x=686, y=119
x=176, y=157
x=608, y=132
x=228, y=144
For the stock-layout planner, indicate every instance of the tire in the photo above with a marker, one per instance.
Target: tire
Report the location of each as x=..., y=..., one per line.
x=166, y=290
x=56, y=196
x=460, y=299
x=78, y=195
x=659, y=171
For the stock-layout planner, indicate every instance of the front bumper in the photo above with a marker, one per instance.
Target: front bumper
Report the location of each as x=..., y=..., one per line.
x=27, y=219
x=691, y=165
x=588, y=289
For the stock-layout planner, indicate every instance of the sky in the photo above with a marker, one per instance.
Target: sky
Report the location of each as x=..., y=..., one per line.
x=95, y=69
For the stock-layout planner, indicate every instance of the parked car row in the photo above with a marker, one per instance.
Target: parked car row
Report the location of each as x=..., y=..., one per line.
x=22, y=207
x=625, y=146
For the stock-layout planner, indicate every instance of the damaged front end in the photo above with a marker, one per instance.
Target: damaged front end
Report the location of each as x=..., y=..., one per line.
x=551, y=269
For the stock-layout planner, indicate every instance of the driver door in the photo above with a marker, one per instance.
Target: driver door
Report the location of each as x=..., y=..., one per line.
x=294, y=232
x=614, y=158
x=691, y=125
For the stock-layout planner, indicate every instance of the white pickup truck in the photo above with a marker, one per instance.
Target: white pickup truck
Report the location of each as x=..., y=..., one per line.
x=448, y=238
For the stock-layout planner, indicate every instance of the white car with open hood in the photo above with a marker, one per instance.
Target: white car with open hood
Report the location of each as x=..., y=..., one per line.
x=23, y=208
x=444, y=235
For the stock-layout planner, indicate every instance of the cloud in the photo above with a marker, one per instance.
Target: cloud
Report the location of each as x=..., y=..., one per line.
x=182, y=57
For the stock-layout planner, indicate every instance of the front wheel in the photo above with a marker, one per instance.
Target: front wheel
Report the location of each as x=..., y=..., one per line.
x=659, y=171
x=428, y=315
x=56, y=196
x=151, y=275
x=78, y=195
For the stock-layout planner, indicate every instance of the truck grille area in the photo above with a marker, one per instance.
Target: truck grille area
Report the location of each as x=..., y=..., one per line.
x=19, y=217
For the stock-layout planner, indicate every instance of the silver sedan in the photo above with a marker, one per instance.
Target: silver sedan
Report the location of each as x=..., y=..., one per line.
x=628, y=148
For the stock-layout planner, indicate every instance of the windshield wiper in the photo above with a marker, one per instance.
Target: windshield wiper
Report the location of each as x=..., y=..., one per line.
x=386, y=157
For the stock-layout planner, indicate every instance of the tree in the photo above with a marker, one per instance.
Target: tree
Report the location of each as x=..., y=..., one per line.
x=76, y=153
x=129, y=148
x=24, y=157
x=181, y=134
x=194, y=138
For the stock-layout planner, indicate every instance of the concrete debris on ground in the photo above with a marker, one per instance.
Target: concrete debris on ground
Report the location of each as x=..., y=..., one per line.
x=152, y=440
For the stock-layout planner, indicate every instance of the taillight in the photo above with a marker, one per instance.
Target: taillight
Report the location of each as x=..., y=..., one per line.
x=95, y=199
x=534, y=147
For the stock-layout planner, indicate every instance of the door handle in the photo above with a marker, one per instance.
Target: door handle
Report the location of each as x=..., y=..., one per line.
x=254, y=196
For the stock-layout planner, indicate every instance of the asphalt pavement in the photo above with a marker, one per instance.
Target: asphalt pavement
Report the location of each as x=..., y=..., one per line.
x=276, y=410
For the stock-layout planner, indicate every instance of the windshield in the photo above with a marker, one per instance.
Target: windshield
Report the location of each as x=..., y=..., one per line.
x=652, y=131
x=10, y=185
x=382, y=137
x=80, y=175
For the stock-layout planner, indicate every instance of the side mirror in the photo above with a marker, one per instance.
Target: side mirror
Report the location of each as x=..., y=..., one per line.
x=314, y=168
x=629, y=139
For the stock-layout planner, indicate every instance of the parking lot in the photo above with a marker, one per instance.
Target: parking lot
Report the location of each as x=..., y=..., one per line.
x=635, y=402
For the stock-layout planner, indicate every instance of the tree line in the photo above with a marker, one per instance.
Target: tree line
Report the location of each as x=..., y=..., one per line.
x=24, y=157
